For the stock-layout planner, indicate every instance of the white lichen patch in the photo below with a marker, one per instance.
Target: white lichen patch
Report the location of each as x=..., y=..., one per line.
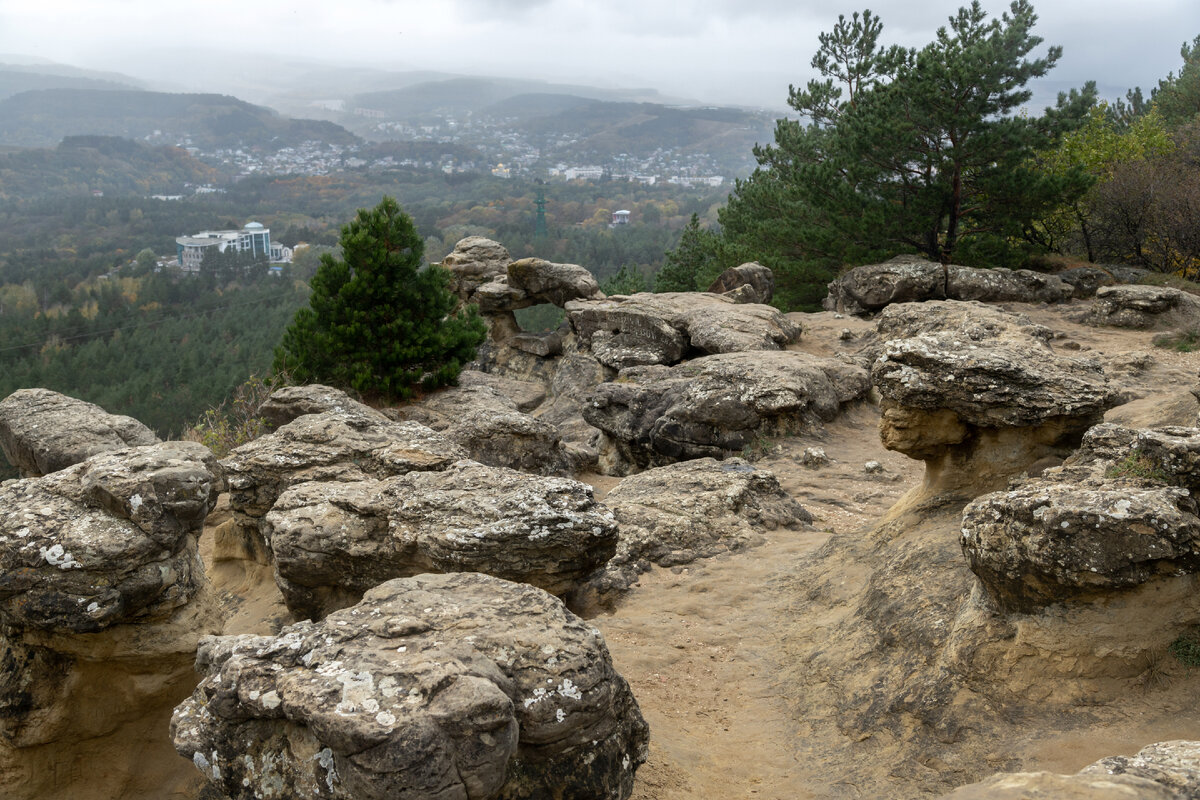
x=569, y=689
x=357, y=691
x=56, y=555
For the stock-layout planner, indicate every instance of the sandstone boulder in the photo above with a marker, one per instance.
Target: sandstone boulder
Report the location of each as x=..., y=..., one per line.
x=1119, y=513
x=331, y=446
x=676, y=514
x=333, y=541
x=980, y=396
x=546, y=282
x=43, y=431
x=715, y=405
x=906, y=279
x=1086, y=281
x=475, y=261
x=102, y=601
x=663, y=328
x=1162, y=771
x=435, y=686
x=526, y=395
x=1143, y=307
x=492, y=430
x=760, y=279
x=290, y=402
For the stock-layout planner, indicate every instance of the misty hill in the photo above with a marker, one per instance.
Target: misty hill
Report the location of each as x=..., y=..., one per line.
x=603, y=130
x=81, y=164
x=42, y=118
x=17, y=80
x=471, y=95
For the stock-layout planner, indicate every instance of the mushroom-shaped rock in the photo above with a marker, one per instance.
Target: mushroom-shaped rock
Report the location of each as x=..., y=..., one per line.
x=331, y=446
x=475, y=261
x=715, y=405
x=981, y=401
x=675, y=514
x=102, y=602
x=546, y=282
x=491, y=429
x=1161, y=771
x=333, y=541
x=436, y=686
x=43, y=431
x=290, y=402
x=1118, y=513
x=661, y=328
x=1143, y=307
x=760, y=279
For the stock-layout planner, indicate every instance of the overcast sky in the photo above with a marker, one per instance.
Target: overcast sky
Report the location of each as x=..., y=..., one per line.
x=722, y=51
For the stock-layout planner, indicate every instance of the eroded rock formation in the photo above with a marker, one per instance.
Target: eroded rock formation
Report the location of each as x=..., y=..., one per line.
x=102, y=601
x=1143, y=307
x=348, y=445
x=43, y=431
x=980, y=397
x=676, y=514
x=907, y=279
x=747, y=283
x=333, y=541
x=432, y=687
x=716, y=405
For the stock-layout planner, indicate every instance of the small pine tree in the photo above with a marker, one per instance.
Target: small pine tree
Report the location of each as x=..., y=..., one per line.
x=629, y=280
x=376, y=322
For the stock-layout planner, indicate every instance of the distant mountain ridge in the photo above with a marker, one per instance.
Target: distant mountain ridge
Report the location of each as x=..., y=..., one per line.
x=43, y=117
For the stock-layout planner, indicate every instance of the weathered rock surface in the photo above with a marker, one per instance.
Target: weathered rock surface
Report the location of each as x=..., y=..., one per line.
x=1143, y=307
x=1086, y=281
x=546, y=282
x=43, y=431
x=715, y=405
x=102, y=601
x=676, y=514
x=474, y=262
x=436, y=686
x=980, y=396
x=527, y=395
x=333, y=541
x=663, y=328
x=1162, y=771
x=759, y=279
x=1117, y=514
x=492, y=430
x=331, y=446
x=907, y=279
x=290, y=402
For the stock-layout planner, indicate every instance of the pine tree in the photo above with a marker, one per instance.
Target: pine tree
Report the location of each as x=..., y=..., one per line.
x=694, y=264
x=920, y=151
x=378, y=323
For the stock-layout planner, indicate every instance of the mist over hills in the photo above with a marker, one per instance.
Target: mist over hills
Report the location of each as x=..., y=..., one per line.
x=41, y=118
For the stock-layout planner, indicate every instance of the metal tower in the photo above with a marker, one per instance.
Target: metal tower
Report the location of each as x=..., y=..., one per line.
x=539, y=225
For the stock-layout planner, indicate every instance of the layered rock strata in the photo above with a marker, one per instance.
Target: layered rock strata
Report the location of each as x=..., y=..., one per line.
x=333, y=541
x=102, y=601
x=434, y=686
x=43, y=431
x=715, y=406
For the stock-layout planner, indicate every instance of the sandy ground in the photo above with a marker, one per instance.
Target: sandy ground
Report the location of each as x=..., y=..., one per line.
x=701, y=645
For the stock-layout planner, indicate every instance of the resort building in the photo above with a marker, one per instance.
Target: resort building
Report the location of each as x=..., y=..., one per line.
x=253, y=240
